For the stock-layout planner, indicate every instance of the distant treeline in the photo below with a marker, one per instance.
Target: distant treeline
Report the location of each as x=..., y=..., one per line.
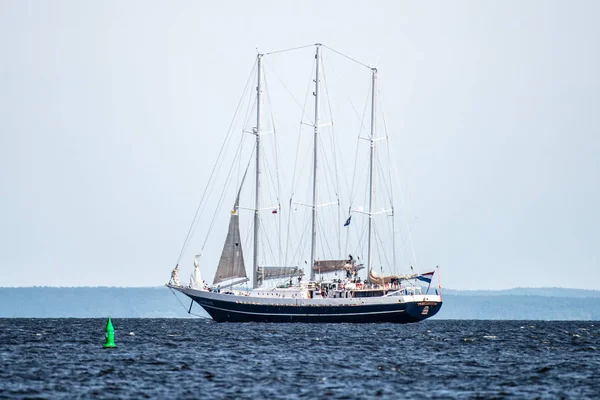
x=159, y=302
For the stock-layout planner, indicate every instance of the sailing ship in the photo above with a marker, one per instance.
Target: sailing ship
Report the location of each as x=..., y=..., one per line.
x=309, y=292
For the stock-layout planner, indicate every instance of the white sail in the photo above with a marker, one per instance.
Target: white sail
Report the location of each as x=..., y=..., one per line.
x=196, y=281
x=175, y=276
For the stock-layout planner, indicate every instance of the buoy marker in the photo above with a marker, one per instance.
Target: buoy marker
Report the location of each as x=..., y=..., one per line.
x=110, y=335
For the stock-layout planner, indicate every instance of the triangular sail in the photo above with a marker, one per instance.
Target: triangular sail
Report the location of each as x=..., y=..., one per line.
x=231, y=264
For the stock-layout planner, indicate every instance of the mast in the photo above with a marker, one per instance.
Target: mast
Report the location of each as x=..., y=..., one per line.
x=313, y=245
x=372, y=169
x=257, y=189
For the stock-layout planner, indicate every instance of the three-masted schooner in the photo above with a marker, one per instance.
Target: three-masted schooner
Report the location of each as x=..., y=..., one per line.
x=375, y=298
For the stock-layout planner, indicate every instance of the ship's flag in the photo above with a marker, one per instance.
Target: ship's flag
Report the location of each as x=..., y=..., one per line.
x=426, y=277
x=348, y=221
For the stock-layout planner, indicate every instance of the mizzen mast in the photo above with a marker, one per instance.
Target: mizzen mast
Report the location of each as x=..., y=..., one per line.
x=372, y=169
x=313, y=245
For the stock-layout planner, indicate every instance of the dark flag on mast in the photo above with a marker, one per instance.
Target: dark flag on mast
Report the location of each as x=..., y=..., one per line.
x=348, y=221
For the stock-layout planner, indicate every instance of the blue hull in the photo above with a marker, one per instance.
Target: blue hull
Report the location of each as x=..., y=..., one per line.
x=228, y=311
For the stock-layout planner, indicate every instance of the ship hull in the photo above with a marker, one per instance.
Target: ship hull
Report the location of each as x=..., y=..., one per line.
x=228, y=308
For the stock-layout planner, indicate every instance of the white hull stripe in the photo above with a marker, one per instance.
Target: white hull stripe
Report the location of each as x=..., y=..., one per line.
x=302, y=315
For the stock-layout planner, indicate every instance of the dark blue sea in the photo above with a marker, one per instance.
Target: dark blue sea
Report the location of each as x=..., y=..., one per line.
x=197, y=359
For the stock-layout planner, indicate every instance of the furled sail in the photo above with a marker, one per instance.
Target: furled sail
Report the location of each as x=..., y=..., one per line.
x=196, y=281
x=175, y=276
x=266, y=273
x=231, y=264
x=375, y=278
x=325, y=266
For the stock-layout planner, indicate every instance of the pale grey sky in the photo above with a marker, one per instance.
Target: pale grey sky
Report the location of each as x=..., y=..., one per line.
x=112, y=112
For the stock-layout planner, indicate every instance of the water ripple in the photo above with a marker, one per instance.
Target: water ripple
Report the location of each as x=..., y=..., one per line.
x=185, y=358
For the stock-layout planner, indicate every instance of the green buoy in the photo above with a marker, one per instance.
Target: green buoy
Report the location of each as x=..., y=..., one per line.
x=110, y=335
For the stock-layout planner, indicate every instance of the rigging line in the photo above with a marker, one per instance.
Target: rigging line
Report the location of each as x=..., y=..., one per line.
x=362, y=124
x=291, y=49
x=301, y=233
x=210, y=185
x=348, y=57
x=274, y=142
x=360, y=239
x=364, y=202
x=382, y=176
x=277, y=171
x=378, y=236
x=300, y=126
x=334, y=146
x=389, y=219
x=402, y=202
x=347, y=228
x=288, y=233
x=275, y=146
x=389, y=159
x=332, y=136
x=246, y=244
x=407, y=222
x=287, y=239
x=286, y=88
x=389, y=145
x=220, y=161
x=357, y=147
x=267, y=171
x=305, y=162
x=330, y=180
x=308, y=90
x=185, y=308
x=301, y=240
x=249, y=113
x=221, y=197
x=307, y=215
x=187, y=239
x=251, y=105
x=324, y=236
x=220, y=202
x=266, y=237
x=391, y=187
x=251, y=101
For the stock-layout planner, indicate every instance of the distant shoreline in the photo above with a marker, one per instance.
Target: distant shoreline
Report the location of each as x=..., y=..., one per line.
x=556, y=304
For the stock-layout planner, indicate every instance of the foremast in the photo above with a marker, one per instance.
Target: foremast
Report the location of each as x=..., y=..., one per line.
x=257, y=188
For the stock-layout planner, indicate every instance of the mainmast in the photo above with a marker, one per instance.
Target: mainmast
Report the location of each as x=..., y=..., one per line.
x=313, y=246
x=372, y=169
x=257, y=200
